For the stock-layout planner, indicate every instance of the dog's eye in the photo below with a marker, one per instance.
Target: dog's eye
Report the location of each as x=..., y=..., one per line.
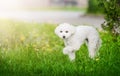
x=61, y=31
x=66, y=31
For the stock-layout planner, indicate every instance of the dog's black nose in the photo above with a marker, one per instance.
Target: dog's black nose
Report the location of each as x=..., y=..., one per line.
x=63, y=36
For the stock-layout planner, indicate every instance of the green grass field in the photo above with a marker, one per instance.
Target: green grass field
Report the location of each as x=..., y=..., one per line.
x=32, y=49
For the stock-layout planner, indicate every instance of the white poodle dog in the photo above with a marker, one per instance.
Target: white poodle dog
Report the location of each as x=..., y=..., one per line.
x=75, y=36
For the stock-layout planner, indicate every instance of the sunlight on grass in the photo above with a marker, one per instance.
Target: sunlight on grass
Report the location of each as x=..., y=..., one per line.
x=25, y=36
x=34, y=49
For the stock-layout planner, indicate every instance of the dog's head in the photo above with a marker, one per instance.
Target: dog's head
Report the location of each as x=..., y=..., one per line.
x=65, y=30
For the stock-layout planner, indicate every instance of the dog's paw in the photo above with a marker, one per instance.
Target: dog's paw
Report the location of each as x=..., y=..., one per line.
x=65, y=51
x=92, y=55
x=71, y=56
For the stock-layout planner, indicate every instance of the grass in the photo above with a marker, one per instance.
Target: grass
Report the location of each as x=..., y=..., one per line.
x=31, y=49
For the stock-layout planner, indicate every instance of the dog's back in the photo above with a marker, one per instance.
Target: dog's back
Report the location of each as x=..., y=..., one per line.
x=86, y=31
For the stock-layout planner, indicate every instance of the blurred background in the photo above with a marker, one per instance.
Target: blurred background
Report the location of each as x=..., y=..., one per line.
x=37, y=4
x=52, y=11
x=29, y=46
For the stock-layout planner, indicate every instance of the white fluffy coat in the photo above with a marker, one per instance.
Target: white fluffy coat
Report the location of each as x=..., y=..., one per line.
x=75, y=36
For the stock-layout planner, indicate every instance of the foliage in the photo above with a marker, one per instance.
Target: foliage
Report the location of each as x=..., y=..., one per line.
x=112, y=15
x=93, y=7
x=31, y=49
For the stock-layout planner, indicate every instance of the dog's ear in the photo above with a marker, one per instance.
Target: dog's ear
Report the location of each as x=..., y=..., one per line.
x=72, y=28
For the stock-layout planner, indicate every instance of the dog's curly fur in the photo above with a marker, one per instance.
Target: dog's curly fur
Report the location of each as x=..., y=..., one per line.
x=75, y=36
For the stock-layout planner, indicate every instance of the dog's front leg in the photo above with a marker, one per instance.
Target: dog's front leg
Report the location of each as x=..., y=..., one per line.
x=71, y=55
x=70, y=52
x=67, y=49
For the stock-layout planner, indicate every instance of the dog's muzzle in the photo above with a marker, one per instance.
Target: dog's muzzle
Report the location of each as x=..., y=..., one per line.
x=63, y=37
